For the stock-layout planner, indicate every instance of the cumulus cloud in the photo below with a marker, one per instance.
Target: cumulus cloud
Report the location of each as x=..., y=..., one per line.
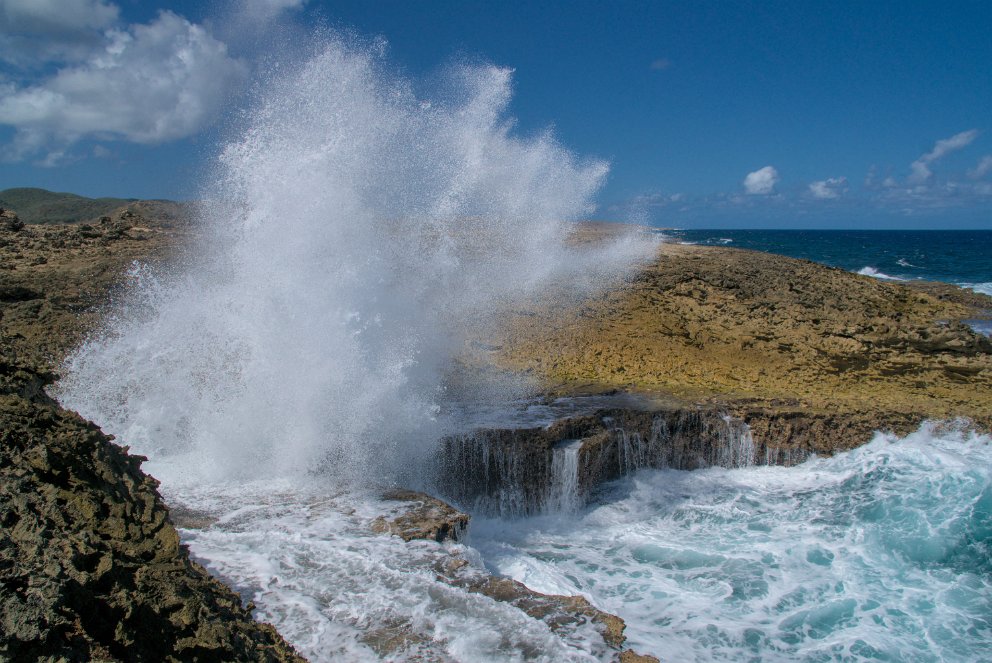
x=983, y=168
x=35, y=32
x=57, y=17
x=828, y=189
x=761, y=182
x=148, y=84
x=920, y=171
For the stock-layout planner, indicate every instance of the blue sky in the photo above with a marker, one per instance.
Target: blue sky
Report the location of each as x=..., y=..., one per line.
x=711, y=114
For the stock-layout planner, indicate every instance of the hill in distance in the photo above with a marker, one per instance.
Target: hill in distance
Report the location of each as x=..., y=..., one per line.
x=43, y=206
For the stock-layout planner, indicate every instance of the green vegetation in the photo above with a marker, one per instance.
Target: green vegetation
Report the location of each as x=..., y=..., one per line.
x=42, y=206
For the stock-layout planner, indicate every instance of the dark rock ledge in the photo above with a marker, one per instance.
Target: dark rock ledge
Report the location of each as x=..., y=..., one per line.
x=91, y=569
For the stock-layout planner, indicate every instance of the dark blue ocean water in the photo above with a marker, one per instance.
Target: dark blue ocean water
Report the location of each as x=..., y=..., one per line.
x=963, y=257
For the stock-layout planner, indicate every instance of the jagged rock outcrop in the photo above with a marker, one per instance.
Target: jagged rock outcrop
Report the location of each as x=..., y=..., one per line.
x=9, y=220
x=90, y=566
x=522, y=471
x=422, y=517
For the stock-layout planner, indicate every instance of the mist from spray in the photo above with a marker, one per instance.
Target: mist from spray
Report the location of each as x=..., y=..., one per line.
x=357, y=229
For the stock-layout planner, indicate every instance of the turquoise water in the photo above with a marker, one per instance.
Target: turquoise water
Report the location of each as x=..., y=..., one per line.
x=963, y=257
x=883, y=553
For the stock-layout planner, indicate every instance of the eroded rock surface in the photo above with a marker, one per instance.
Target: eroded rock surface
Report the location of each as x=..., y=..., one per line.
x=90, y=566
x=55, y=280
x=422, y=517
x=755, y=332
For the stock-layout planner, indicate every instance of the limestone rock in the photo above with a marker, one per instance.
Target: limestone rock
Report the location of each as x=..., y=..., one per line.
x=560, y=613
x=90, y=566
x=422, y=517
x=748, y=330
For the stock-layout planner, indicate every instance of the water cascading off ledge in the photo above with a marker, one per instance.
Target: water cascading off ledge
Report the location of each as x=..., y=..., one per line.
x=557, y=468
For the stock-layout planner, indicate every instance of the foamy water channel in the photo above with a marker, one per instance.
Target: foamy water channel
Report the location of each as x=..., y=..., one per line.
x=882, y=553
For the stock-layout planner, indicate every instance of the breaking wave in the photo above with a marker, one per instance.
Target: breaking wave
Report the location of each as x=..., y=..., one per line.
x=358, y=227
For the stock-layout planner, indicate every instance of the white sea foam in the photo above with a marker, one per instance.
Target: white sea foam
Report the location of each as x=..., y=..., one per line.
x=881, y=553
x=874, y=273
x=983, y=288
x=306, y=556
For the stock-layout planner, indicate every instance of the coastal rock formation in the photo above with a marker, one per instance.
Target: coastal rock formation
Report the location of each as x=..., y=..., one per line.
x=760, y=334
x=422, y=517
x=9, y=220
x=90, y=566
x=55, y=279
x=748, y=357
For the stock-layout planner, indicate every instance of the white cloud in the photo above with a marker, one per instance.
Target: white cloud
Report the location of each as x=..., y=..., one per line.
x=762, y=181
x=57, y=17
x=35, y=32
x=920, y=171
x=983, y=168
x=249, y=15
x=148, y=84
x=829, y=188
x=270, y=8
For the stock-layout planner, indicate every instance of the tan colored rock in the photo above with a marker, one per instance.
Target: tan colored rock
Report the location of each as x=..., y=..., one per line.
x=423, y=517
x=558, y=612
x=54, y=279
x=745, y=329
x=630, y=656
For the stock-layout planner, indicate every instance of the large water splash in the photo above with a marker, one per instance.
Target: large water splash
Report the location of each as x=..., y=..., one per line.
x=357, y=229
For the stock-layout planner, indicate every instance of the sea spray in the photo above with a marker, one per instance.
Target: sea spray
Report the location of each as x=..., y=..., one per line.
x=356, y=229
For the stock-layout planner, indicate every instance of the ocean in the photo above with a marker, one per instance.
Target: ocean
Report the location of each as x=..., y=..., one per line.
x=962, y=257
x=296, y=364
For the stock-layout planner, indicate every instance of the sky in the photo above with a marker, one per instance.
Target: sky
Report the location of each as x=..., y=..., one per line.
x=711, y=114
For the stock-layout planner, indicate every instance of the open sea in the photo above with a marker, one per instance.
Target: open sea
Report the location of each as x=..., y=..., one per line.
x=963, y=257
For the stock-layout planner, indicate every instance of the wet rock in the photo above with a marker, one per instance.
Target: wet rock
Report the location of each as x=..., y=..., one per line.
x=90, y=566
x=426, y=517
x=422, y=517
x=514, y=472
x=560, y=613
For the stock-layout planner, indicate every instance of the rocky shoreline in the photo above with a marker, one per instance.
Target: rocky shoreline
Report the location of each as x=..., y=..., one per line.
x=91, y=567
x=793, y=348
x=741, y=358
